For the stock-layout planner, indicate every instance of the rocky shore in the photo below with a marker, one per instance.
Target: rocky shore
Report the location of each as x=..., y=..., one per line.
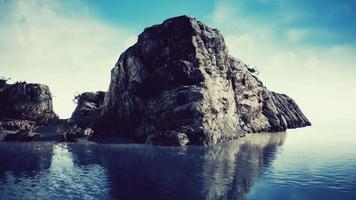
x=177, y=85
x=23, y=108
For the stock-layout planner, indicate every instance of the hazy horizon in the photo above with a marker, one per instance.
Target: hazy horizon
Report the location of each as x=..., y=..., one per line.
x=305, y=49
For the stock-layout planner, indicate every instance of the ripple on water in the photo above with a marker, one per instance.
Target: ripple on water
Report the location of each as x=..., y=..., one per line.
x=63, y=180
x=257, y=163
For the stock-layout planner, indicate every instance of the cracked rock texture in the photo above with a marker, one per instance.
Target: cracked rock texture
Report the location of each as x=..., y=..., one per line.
x=88, y=110
x=178, y=85
x=24, y=105
x=89, y=105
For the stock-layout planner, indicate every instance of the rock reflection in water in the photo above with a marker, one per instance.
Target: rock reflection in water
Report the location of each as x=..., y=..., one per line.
x=88, y=170
x=230, y=171
x=42, y=170
x=24, y=158
x=226, y=171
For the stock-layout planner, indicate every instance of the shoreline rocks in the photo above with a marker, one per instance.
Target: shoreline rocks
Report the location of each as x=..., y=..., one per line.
x=16, y=125
x=22, y=136
x=89, y=106
x=27, y=101
x=88, y=110
x=23, y=107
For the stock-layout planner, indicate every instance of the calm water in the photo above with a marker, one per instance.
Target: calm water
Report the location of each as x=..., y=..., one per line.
x=311, y=163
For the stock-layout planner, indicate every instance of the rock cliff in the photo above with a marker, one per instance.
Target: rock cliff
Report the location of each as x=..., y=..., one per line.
x=89, y=105
x=178, y=85
x=87, y=112
x=24, y=106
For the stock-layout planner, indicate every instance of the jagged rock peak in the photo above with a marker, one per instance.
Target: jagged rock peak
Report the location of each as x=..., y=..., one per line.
x=178, y=85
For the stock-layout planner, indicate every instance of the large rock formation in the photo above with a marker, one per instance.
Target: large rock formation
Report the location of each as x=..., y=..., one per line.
x=178, y=85
x=89, y=105
x=24, y=106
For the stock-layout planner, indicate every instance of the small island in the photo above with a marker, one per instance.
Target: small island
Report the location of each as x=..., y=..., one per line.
x=177, y=85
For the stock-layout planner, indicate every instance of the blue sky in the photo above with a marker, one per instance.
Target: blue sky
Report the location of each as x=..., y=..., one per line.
x=304, y=48
x=334, y=21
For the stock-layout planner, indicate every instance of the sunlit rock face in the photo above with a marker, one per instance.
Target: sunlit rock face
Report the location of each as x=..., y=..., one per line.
x=26, y=103
x=179, y=81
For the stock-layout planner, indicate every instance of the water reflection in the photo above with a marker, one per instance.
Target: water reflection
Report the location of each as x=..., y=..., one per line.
x=230, y=171
x=24, y=159
x=47, y=171
x=129, y=171
x=218, y=172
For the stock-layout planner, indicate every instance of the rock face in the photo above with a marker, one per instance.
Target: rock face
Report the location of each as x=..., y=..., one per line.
x=16, y=125
x=89, y=105
x=23, y=136
x=26, y=101
x=23, y=107
x=178, y=85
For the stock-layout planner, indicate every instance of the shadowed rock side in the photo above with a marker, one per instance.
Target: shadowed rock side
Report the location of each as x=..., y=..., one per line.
x=178, y=85
x=26, y=101
x=23, y=107
x=89, y=106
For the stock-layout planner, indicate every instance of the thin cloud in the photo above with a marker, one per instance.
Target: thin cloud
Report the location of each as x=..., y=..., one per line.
x=69, y=51
x=319, y=77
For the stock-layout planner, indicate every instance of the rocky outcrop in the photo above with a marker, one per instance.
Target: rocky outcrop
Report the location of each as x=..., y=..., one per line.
x=23, y=107
x=178, y=85
x=26, y=101
x=89, y=105
x=283, y=112
x=23, y=136
x=71, y=132
x=16, y=125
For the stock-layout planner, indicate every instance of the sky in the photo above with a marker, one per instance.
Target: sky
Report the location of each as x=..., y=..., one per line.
x=304, y=48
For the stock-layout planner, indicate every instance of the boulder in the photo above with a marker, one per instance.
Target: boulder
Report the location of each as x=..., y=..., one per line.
x=88, y=132
x=178, y=85
x=168, y=138
x=71, y=132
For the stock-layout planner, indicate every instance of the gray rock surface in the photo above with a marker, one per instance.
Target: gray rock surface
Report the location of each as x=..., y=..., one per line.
x=178, y=82
x=26, y=101
x=23, y=136
x=71, y=132
x=23, y=108
x=16, y=125
x=89, y=105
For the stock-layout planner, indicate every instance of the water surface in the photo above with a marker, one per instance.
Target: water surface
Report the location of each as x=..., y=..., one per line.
x=318, y=162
